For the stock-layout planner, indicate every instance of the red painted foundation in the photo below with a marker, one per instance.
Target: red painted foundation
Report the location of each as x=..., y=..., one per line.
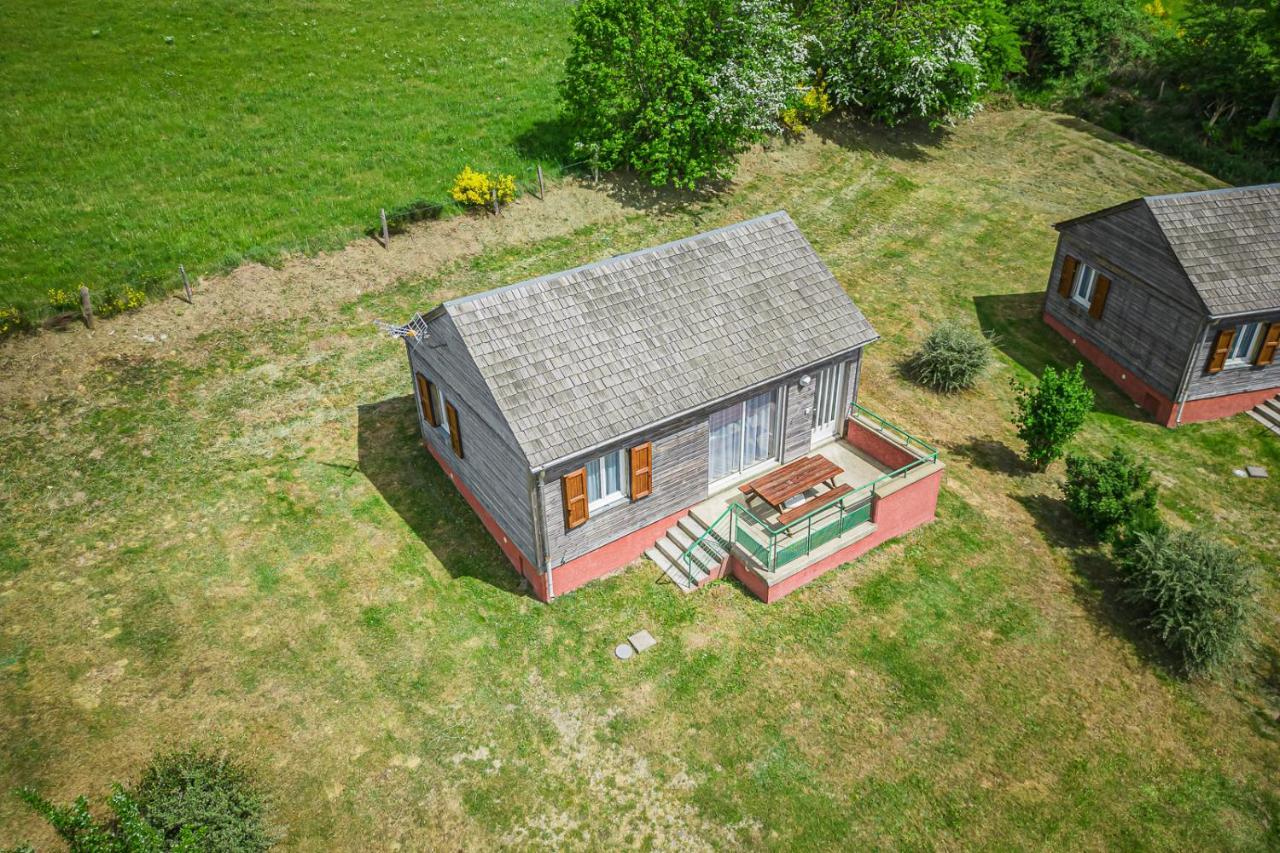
x=569, y=576
x=1163, y=410
x=612, y=557
x=518, y=560
x=893, y=514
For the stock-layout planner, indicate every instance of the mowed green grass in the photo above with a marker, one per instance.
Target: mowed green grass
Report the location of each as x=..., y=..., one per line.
x=244, y=543
x=262, y=127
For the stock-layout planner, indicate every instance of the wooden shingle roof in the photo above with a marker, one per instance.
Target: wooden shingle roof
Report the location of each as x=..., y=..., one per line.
x=580, y=358
x=1227, y=242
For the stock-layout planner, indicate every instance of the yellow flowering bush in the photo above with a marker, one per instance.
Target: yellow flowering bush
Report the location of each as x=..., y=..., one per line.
x=63, y=300
x=476, y=188
x=10, y=320
x=119, y=301
x=812, y=106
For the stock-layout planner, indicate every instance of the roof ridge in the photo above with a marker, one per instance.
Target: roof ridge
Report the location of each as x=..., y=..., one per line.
x=733, y=227
x=1214, y=191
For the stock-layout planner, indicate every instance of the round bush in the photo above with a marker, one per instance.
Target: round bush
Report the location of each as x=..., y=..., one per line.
x=205, y=792
x=1195, y=593
x=951, y=358
x=1109, y=495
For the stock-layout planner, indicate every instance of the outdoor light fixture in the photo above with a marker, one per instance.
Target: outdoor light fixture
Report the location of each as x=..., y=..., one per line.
x=806, y=379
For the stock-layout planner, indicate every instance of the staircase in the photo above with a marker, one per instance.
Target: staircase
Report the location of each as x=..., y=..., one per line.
x=1267, y=413
x=708, y=558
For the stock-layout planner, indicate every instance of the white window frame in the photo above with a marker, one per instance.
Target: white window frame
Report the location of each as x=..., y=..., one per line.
x=624, y=481
x=444, y=414
x=1244, y=349
x=1086, y=282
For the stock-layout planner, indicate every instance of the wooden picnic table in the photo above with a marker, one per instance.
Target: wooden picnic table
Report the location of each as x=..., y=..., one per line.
x=782, y=484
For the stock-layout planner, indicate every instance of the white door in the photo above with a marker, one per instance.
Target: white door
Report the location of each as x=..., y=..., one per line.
x=828, y=397
x=742, y=436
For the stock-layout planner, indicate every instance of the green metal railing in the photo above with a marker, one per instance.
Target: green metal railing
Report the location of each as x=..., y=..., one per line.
x=774, y=547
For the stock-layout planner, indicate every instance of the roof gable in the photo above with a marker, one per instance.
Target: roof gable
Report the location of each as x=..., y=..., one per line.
x=582, y=357
x=1225, y=243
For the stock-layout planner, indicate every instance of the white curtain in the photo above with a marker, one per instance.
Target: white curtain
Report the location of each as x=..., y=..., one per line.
x=758, y=429
x=726, y=441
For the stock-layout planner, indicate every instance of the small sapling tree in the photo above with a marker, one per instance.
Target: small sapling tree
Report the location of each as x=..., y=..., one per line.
x=1050, y=412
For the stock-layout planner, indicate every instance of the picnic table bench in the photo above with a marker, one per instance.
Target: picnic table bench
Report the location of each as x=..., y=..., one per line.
x=795, y=478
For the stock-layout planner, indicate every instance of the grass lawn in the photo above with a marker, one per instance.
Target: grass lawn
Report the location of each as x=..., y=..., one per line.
x=240, y=540
x=261, y=126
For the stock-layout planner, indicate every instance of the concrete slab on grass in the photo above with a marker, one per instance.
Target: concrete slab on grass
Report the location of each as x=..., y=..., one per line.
x=1256, y=471
x=642, y=641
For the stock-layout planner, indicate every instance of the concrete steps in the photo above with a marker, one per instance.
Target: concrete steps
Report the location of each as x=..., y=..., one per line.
x=1267, y=413
x=706, y=558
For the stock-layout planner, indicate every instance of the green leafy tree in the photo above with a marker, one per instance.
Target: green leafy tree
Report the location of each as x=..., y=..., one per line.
x=1194, y=594
x=675, y=89
x=1051, y=412
x=928, y=59
x=1062, y=37
x=1111, y=494
x=1228, y=58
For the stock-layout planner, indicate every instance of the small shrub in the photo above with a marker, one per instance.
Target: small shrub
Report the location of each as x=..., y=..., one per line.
x=1195, y=594
x=1109, y=495
x=11, y=320
x=186, y=801
x=811, y=106
x=206, y=792
x=63, y=300
x=951, y=358
x=117, y=301
x=127, y=831
x=1051, y=412
x=476, y=188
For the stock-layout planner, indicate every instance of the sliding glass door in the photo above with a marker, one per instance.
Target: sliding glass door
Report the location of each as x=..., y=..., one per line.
x=743, y=435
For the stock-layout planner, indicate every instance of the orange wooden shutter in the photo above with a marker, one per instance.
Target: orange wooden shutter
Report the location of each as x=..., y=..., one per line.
x=427, y=397
x=1068, y=276
x=1100, y=290
x=1270, y=343
x=1221, y=346
x=455, y=437
x=641, y=470
x=574, y=487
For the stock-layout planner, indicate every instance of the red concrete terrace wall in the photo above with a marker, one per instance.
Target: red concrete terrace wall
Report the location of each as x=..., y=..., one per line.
x=880, y=448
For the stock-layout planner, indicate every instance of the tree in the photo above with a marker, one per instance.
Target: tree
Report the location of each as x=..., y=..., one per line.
x=904, y=59
x=1109, y=495
x=1194, y=594
x=1061, y=37
x=127, y=832
x=1229, y=59
x=677, y=88
x=1051, y=412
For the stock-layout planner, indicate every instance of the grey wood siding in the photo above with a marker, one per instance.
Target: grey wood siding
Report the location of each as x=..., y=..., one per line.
x=1230, y=380
x=1141, y=327
x=679, y=481
x=797, y=431
x=492, y=466
x=1130, y=239
x=680, y=472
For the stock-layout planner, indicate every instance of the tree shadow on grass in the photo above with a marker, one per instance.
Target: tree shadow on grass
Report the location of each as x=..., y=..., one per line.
x=912, y=142
x=1014, y=322
x=1096, y=587
x=990, y=454
x=412, y=483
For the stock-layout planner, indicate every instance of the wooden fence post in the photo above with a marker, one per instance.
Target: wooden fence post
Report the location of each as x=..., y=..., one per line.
x=186, y=283
x=86, y=306
x=386, y=235
x=542, y=187
x=494, y=193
